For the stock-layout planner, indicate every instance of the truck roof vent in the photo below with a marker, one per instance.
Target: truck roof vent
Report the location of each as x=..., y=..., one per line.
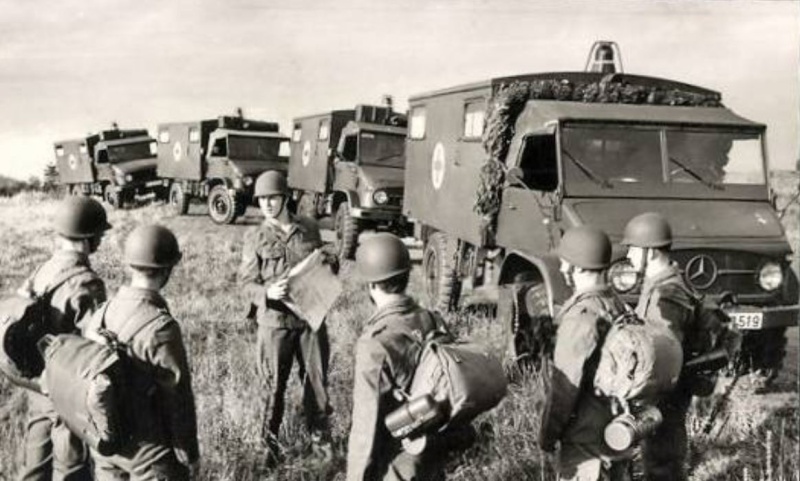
x=604, y=57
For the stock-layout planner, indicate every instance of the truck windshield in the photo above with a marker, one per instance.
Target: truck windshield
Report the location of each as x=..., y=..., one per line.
x=616, y=155
x=382, y=149
x=242, y=147
x=127, y=152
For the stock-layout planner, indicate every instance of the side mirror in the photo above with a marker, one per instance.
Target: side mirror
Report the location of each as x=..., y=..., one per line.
x=515, y=176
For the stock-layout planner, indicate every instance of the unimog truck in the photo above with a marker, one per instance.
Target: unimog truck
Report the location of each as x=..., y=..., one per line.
x=217, y=161
x=349, y=164
x=118, y=165
x=497, y=170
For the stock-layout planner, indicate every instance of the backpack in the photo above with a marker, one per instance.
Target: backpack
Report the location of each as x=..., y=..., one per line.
x=462, y=378
x=87, y=381
x=24, y=319
x=639, y=361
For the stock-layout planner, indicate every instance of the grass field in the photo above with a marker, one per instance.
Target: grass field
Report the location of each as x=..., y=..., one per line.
x=757, y=439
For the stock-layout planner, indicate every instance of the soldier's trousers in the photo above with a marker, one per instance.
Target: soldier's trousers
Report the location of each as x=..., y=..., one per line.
x=52, y=452
x=278, y=347
x=119, y=468
x=664, y=452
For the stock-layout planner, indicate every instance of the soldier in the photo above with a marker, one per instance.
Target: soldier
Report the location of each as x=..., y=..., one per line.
x=386, y=357
x=73, y=290
x=270, y=251
x=665, y=299
x=574, y=415
x=159, y=410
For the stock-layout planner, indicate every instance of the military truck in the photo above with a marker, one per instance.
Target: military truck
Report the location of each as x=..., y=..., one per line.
x=497, y=170
x=349, y=164
x=217, y=161
x=118, y=165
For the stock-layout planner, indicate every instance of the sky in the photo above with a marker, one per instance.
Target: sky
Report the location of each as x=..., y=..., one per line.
x=70, y=67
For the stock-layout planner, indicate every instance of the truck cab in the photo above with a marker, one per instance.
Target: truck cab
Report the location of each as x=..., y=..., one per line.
x=118, y=165
x=563, y=149
x=349, y=164
x=218, y=161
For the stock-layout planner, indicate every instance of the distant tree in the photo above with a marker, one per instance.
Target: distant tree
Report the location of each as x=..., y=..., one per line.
x=50, y=177
x=34, y=183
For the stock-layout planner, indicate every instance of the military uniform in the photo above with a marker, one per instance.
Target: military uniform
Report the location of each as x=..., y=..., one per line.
x=666, y=300
x=160, y=407
x=268, y=255
x=574, y=414
x=386, y=357
x=51, y=450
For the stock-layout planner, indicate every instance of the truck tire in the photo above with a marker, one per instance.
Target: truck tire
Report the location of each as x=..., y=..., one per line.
x=763, y=352
x=178, y=199
x=222, y=206
x=347, y=230
x=525, y=316
x=442, y=285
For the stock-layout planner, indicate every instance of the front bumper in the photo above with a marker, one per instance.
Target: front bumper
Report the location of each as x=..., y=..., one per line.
x=757, y=318
x=375, y=214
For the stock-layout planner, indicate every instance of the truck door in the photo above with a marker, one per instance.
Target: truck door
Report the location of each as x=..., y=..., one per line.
x=525, y=220
x=346, y=170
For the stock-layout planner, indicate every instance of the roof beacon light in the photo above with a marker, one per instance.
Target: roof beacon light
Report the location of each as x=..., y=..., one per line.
x=604, y=57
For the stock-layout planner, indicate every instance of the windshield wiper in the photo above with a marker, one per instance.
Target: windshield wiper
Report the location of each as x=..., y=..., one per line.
x=695, y=175
x=604, y=183
x=381, y=159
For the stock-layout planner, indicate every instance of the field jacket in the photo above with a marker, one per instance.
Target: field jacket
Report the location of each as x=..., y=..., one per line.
x=70, y=302
x=160, y=406
x=386, y=358
x=269, y=253
x=574, y=414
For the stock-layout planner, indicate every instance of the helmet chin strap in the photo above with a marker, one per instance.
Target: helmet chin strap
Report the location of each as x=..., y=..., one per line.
x=569, y=280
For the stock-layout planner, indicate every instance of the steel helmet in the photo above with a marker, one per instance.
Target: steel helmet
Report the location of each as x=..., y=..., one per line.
x=152, y=246
x=585, y=247
x=271, y=182
x=81, y=218
x=648, y=230
x=382, y=256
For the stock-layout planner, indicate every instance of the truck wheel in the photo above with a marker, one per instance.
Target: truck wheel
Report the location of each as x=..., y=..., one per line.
x=524, y=313
x=763, y=351
x=442, y=285
x=347, y=229
x=112, y=196
x=222, y=206
x=178, y=199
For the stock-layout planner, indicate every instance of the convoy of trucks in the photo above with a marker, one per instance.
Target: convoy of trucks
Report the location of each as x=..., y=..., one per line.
x=490, y=175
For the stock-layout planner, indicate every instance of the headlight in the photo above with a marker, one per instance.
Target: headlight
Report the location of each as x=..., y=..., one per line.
x=247, y=180
x=770, y=276
x=128, y=178
x=623, y=277
x=380, y=197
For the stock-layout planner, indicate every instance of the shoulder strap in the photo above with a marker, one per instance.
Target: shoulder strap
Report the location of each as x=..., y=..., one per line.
x=63, y=278
x=128, y=332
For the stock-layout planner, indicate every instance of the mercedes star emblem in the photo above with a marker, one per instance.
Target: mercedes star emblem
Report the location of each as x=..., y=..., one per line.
x=701, y=271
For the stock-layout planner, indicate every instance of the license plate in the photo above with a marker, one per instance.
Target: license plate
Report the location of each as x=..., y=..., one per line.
x=747, y=320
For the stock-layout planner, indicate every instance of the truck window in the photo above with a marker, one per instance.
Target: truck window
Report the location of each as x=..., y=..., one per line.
x=539, y=163
x=83, y=149
x=102, y=156
x=416, y=128
x=243, y=147
x=153, y=148
x=194, y=135
x=163, y=136
x=297, y=133
x=324, y=131
x=350, y=148
x=59, y=151
x=719, y=157
x=474, y=118
x=378, y=148
x=220, y=148
x=126, y=152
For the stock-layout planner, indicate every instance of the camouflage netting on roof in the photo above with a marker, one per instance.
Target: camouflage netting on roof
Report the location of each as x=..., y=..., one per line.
x=509, y=100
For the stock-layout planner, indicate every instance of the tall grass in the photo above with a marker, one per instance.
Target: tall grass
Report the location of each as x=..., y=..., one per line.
x=759, y=436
